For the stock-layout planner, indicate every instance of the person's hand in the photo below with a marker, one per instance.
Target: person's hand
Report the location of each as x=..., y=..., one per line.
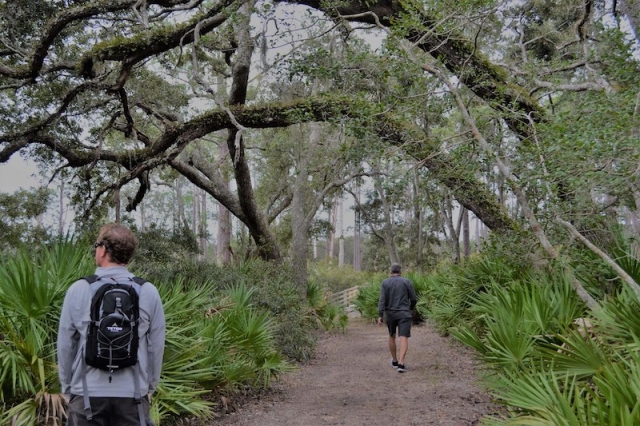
x=379, y=320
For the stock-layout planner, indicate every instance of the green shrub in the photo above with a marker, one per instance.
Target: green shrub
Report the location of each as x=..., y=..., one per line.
x=32, y=288
x=273, y=288
x=216, y=340
x=332, y=317
x=367, y=299
x=334, y=278
x=550, y=364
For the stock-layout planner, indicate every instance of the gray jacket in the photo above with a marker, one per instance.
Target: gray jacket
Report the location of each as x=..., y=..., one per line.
x=72, y=336
x=397, y=297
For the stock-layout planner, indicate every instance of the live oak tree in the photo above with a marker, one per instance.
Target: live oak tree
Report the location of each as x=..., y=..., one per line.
x=96, y=79
x=16, y=213
x=107, y=88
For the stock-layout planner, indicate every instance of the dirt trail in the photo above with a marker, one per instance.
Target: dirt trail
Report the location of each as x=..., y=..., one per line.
x=351, y=383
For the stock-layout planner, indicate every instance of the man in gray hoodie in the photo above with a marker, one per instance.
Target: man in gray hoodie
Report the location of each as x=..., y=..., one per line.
x=121, y=397
x=397, y=299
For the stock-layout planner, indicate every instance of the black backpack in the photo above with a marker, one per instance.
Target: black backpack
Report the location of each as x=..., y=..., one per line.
x=112, y=337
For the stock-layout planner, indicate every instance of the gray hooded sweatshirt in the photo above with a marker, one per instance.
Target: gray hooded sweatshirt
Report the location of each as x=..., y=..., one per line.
x=72, y=337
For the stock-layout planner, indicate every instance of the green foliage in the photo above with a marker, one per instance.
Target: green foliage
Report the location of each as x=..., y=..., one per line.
x=18, y=212
x=513, y=320
x=187, y=366
x=611, y=237
x=156, y=246
x=32, y=288
x=272, y=287
x=547, y=362
x=446, y=295
x=328, y=316
x=226, y=346
x=216, y=340
x=367, y=299
x=335, y=278
x=332, y=317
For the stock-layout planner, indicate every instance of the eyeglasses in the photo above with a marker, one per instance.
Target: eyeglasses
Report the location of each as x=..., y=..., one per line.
x=96, y=245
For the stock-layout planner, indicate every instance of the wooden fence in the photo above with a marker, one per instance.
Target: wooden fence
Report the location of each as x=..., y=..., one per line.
x=343, y=298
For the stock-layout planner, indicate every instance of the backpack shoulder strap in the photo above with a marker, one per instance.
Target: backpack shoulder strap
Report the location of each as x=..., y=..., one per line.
x=138, y=280
x=91, y=278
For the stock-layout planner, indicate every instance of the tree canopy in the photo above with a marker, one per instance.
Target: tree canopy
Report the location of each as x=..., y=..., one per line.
x=530, y=101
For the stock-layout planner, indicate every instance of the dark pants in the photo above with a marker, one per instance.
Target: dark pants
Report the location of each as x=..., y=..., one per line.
x=107, y=412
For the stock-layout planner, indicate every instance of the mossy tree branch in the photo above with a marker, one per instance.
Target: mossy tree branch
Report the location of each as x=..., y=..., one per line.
x=165, y=149
x=459, y=55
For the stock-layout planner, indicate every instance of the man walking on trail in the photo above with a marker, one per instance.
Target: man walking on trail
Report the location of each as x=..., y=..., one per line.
x=111, y=394
x=397, y=299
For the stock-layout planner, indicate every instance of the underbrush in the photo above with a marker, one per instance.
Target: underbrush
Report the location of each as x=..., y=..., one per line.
x=335, y=279
x=229, y=331
x=549, y=360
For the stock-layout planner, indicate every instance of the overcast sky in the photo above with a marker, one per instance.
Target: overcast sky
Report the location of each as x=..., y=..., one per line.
x=16, y=174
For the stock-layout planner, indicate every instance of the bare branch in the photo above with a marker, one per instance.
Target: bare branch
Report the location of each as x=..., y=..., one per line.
x=621, y=272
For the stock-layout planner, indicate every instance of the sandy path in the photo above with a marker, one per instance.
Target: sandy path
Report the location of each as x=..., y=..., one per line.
x=351, y=383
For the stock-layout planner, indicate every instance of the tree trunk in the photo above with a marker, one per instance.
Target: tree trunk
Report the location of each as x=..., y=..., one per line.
x=387, y=211
x=194, y=212
x=332, y=232
x=255, y=221
x=116, y=203
x=447, y=212
x=223, y=247
x=417, y=212
x=465, y=233
x=61, y=207
x=203, y=224
x=631, y=9
x=356, y=233
x=143, y=219
x=180, y=202
x=299, y=223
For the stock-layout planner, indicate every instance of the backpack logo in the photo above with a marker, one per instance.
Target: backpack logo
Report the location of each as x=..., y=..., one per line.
x=114, y=328
x=112, y=337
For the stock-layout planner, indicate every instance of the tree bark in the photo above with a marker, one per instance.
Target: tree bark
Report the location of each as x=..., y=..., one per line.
x=332, y=232
x=61, y=207
x=388, y=231
x=466, y=241
x=116, y=204
x=300, y=226
x=254, y=219
x=454, y=232
x=203, y=224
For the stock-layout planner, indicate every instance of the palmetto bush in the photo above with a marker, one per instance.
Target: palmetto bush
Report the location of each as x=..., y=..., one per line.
x=514, y=320
x=217, y=341
x=446, y=295
x=367, y=299
x=273, y=291
x=32, y=288
x=583, y=382
x=551, y=362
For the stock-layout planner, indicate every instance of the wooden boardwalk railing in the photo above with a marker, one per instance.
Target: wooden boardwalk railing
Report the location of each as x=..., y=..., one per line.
x=343, y=298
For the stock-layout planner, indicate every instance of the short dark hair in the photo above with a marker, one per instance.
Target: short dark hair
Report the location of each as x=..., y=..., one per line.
x=396, y=268
x=119, y=242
